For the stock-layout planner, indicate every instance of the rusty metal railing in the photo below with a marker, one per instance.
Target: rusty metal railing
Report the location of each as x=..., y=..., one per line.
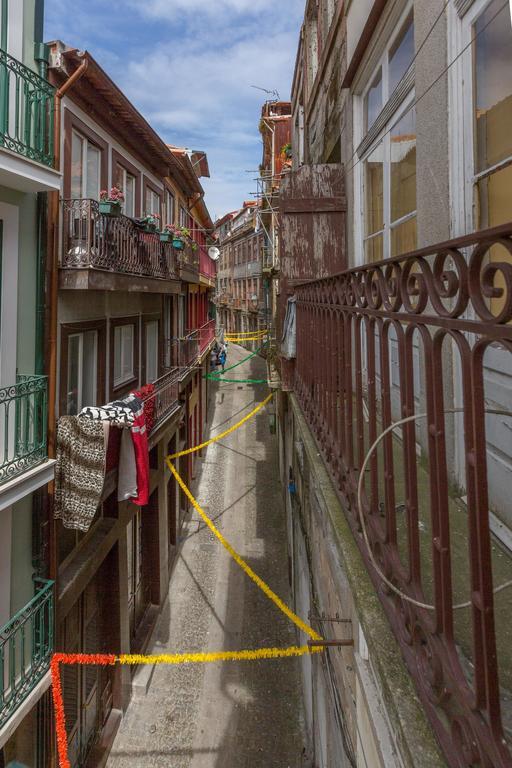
x=428, y=332
x=165, y=397
x=113, y=243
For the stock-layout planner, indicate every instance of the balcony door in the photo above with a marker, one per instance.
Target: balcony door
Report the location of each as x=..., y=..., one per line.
x=85, y=168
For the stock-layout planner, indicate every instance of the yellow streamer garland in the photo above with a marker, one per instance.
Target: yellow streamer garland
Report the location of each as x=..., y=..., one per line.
x=241, y=562
x=224, y=434
x=207, y=658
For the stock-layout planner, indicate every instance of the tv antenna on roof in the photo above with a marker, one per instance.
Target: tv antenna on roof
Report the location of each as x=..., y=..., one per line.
x=274, y=93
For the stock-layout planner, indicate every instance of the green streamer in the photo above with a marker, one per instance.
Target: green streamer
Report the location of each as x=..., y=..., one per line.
x=217, y=377
x=220, y=376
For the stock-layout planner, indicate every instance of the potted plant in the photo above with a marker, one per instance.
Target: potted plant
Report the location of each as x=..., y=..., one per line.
x=174, y=235
x=152, y=222
x=111, y=202
x=287, y=151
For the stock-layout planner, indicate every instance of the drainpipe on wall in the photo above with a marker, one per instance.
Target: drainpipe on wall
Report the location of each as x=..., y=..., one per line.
x=41, y=56
x=53, y=260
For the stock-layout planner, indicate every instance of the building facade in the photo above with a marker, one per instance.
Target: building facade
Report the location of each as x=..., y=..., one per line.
x=275, y=130
x=240, y=298
x=130, y=314
x=400, y=142
x=27, y=174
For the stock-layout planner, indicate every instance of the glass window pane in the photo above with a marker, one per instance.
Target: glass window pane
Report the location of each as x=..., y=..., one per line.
x=73, y=384
x=374, y=190
x=373, y=249
x=403, y=166
x=127, y=352
x=149, y=203
x=89, y=368
x=373, y=100
x=404, y=237
x=152, y=351
x=76, y=166
x=401, y=54
x=170, y=208
x=93, y=173
x=129, y=195
x=493, y=86
x=119, y=176
x=117, y=353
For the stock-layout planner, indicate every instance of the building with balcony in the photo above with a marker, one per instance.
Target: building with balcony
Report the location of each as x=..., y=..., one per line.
x=129, y=314
x=394, y=305
x=240, y=298
x=27, y=175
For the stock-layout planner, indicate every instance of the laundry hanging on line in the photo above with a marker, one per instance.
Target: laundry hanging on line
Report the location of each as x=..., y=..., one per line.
x=82, y=443
x=79, y=470
x=135, y=412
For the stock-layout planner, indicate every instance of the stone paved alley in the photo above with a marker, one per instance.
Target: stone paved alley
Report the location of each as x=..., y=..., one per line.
x=224, y=715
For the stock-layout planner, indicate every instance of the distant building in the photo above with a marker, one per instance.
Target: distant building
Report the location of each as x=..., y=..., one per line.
x=240, y=304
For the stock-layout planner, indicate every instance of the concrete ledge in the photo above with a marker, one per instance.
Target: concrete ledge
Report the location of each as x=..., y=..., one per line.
x=412, y=731
x=26, y=483
x=23, y=710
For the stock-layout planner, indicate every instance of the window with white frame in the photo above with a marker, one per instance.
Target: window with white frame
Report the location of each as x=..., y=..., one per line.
x=388, y=161
x=85, y=168
x=486, y=120
x=152, y=202
x=124, y=354
x=184, y=217
x=82, y=371
x=488, y=68
x=169, y=208
x=126, y=181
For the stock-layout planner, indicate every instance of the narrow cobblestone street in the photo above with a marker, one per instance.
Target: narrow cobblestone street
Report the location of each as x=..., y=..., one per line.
x=232, y=715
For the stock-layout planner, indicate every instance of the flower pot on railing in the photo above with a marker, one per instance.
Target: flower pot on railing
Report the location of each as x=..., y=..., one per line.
x=151, y=223
x=178, y=244
x=110, y=208
x=165, y=237
x=111, y=202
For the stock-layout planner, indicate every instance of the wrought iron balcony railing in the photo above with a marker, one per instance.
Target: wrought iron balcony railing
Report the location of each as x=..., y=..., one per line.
x=26, y=648
x=165, y=398
x=26, y=111
x=206, y=335
x=23, y=415
x=425, y=338
x=188, y=259
x=113, y=243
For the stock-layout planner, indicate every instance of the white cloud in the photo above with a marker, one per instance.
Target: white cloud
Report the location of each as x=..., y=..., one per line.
x=170, y=9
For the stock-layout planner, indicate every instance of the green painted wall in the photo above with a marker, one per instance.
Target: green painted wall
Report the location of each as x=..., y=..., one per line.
x=22, y=585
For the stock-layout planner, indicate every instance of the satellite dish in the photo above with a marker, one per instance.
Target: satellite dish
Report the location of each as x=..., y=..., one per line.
x=214, y=253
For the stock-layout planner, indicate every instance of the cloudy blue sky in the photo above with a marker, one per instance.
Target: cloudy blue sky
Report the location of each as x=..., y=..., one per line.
x=188, y=66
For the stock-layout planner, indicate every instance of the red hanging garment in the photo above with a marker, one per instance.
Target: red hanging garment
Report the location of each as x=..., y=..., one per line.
x=139, y=432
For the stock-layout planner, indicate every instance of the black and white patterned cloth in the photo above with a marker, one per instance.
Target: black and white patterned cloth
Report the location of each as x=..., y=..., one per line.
x=120, y=413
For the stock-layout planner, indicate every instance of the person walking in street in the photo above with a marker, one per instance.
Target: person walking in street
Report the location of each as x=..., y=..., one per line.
x=222, y=358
